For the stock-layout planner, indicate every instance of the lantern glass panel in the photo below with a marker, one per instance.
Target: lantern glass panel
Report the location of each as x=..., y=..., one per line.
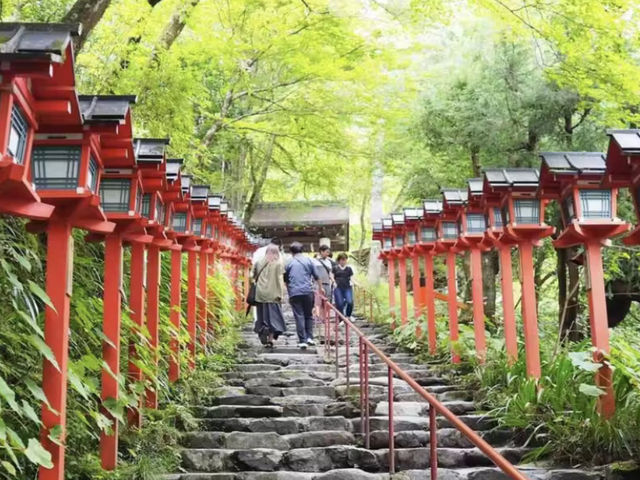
x=139, y=196
x=399, y=241
x=449, y=230
x=497, y=218
x=567, y=209
x=476, y=223
x=114, y=194
x=428, y=234
x=18, y=135
x=504, y=214
x=92, y=175
x=209, y=231
x=411, y=237
x=56, y=167
x=145, y=211
x=527, y=211
x=197, y=226
x=596, y=203
x=180, y=222
x=161, y=212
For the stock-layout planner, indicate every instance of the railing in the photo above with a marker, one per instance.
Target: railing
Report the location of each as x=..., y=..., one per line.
x=365, y=346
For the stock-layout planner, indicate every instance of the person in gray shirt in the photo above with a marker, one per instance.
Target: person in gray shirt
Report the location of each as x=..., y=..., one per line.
x=302, y=279
x=324, y=269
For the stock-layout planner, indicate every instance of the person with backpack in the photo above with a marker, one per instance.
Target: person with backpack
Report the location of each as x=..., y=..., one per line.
x=302, y=279
x=324, y=267
x=268, y=275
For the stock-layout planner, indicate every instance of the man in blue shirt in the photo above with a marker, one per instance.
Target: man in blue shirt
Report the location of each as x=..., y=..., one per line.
x=302, y=279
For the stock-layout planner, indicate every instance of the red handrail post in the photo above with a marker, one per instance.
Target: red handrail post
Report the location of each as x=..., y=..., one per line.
x=112, y=313
x=175, y=313
x=417, y=298
x=347, y=340
x=153, y=317
x=367, y=443
x=452, y=297
x=508, y=309
x=402, y=269
x=336, y=331
x=392, y=455
x=433, y=442
x=599, y=327
x=431, y=303
x=192, y=289
x=529, y=311
x=361, y=379
x=478, y=304
x=136, y=303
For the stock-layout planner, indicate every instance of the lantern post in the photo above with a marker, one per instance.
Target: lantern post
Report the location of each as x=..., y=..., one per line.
x=448, y=244
x=495, y=183
x=432, y=208
x=388, y=254
x=172, y=194
x=120, y=189
x=472, y=235
x=412, y=219
x=398, y=235
x=37, y=92
x=199, y=200
x=66, y=163
x=575, y=179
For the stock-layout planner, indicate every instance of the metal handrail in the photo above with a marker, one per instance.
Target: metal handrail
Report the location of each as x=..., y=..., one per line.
x=435, y=406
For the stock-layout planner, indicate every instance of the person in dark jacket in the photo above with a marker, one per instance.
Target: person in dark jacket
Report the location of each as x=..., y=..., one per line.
x=343, y=293
x=302, y=280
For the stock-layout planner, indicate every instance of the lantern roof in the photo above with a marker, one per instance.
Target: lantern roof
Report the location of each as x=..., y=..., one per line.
x=474, y=187
x=454, y=196
x=150, y=150
x=397, y=218
x=376, y=227
x=20, y=41
x=224, y=207
x=387, y=223
x=507, y=178
x=105, y=108
x=562, y=168
x=413, y=214
x=173, y=168
x=623, y=155
x=214, y=201
x=185, y=183
x=199, y=193
x=432, y=206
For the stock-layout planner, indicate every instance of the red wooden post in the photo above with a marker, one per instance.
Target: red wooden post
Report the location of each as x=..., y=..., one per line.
x=392, y=288
x=529, y=311
x=431, y=303
x=153, y=317
x=478, y=304
x=417, y=297
x=452, y=297
x=112, y=305
x=56, y=335
x=211, y=294
x=599, y=326
x=175, y=314
x=508, y=309
x=192, y=288
x=136, y=304
x=202, y=300
x=402, y=268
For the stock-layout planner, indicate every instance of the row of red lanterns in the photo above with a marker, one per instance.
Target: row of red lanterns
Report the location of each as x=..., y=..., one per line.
x=70, y=161
x=504, y=210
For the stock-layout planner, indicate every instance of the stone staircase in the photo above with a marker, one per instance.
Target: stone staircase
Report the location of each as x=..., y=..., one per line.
x=284, y=416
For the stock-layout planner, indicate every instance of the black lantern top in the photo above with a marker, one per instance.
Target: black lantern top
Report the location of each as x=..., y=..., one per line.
x=173, y=168
x=150, y=150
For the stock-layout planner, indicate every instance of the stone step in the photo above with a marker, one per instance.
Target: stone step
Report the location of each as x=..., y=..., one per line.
x=403, y=423
x=447, y=437
x=337, y=474
x=272, y=440
x=458, y=407
x=281, y=425
x=321, y=459
x=324, y=390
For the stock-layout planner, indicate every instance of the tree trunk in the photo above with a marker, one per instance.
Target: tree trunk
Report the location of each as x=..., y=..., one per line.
x=256, y=190
x=475, y=162
x=363, y=226
x=490, y=270
x=88, y=13
x=568, y=295
x=176, y=24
